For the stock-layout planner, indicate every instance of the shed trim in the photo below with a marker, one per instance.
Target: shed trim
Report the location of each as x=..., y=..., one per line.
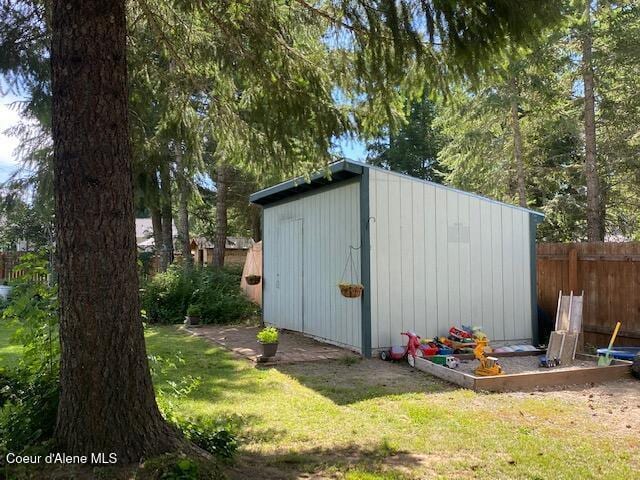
x=535, y=333
x=343, y=170
x=365, y=264
x=334, y=173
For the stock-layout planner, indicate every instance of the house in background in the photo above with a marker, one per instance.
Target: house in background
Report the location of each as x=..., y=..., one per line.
x=235, y=252
x=144, y=234
x=428, y=256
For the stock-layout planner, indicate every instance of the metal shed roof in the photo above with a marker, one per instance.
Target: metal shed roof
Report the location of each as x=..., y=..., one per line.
x=344, y=170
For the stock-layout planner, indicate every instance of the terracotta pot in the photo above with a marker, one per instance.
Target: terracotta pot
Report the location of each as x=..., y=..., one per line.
x=269, y=349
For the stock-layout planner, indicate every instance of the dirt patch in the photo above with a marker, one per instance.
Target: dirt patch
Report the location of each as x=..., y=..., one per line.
x=615, y=404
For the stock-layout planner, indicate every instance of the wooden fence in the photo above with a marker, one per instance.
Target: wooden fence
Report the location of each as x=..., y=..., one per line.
x=609, y=275
x=8, y=272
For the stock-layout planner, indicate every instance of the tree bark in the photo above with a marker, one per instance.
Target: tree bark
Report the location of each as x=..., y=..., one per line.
x=222, y=189
x=183, y=208
x=517, y=146
x=156, y=214
x=166, y=254
x=107, y=402
x=256, y=222
x=595, y=210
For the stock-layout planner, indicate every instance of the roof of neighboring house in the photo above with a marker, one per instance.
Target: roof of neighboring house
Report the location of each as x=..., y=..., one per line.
x=341, y=171
x=233, y=243
x=144, y=229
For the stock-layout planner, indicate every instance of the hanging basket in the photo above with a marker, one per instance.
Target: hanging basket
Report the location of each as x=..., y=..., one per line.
x=351, y=290
x=253, y=279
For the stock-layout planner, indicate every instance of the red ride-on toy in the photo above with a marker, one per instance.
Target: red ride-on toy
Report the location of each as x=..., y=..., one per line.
x=413, y=349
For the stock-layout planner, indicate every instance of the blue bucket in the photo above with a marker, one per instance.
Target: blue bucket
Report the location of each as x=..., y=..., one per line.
x=621, y=353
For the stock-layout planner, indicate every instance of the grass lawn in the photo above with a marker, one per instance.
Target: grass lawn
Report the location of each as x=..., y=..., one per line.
x=9, y=352
x=373, y=420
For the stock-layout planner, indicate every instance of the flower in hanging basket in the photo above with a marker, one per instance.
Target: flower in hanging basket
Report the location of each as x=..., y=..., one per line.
x=351, y=290
x=253, y=279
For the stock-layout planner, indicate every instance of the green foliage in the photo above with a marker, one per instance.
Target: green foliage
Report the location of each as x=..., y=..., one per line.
x=413, y=150
x=214, y=437
x=216, y=292
x=33, y=308
x=194, y=311
x=268, y=335
x=30, y=391
x=23, y=223
x=179, y=467
x=28, y=408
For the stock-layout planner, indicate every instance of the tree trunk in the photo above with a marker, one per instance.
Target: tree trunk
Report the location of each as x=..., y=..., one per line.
x=222, y=189
x=595, y=211
x=107, y=402
x=156, y=214
x=256, y=222
x=517, y=146
x=183, y=208
x=166, y=254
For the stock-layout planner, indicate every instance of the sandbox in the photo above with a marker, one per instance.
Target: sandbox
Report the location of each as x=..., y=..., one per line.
x=523, y=374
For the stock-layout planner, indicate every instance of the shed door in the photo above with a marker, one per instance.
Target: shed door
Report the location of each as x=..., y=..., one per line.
x=289, y=276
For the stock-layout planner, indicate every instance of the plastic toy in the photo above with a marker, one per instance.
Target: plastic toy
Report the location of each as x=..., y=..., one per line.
x=549, y=362
x=452, y=362
x=489, y=366
x=413, y=349
x=457, y=334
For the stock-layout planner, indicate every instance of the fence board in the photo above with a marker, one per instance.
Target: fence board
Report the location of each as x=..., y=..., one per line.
x=609, y=274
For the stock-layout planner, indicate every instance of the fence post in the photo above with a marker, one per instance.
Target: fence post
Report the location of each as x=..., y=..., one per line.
x=573, y=270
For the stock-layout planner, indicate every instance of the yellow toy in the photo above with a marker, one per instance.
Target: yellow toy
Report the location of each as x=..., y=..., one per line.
x=488, y=365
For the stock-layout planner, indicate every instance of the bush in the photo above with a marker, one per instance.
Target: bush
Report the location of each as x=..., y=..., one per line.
x=216, y=291
x=194, y=311
x=29, y=407
x=213, y=437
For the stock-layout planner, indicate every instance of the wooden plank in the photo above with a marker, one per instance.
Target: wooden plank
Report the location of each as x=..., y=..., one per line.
x=445, y=373
x=528, y=381
x=534, y=380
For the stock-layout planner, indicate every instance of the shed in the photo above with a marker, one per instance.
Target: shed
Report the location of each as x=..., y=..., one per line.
x=429, y=257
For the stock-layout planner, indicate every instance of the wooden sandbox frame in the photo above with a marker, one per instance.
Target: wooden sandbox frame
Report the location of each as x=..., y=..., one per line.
x=530, y=380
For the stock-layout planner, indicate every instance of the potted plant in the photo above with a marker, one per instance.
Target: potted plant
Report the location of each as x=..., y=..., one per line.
x=253, y=279
x=350, y=290
x=194, y=313
x=268, y=338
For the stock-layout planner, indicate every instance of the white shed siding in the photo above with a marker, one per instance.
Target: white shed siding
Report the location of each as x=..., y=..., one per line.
x=330, y=223
x=440, y=257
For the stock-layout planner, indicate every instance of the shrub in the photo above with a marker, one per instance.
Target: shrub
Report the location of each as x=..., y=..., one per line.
x=179, y=467
x=29, y=407
x=194, y=311
x=167, y=296
x=268, y=335
x=213, y=437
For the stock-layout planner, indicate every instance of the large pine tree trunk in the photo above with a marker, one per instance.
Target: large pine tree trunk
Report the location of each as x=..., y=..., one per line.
x=107, y=402
x=595, y=210
x=166, y=253
x=156, y=213
x=222, y=189
x=517, y=147
x=183, y=208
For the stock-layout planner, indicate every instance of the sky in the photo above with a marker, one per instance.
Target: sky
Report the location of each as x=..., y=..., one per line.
x=8, y=118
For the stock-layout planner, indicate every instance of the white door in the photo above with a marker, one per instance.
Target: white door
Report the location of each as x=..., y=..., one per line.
x=289, y=276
